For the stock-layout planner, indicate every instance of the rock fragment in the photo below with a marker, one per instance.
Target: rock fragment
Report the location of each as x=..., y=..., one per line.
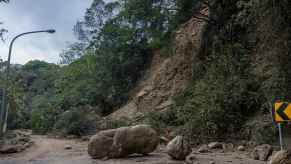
x=178, y=148
x=203, y=149
x=241, y=148
x=281, y=157
x=262, y=152
x=215, y=145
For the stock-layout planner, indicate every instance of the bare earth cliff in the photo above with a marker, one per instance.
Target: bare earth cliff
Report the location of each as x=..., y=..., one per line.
x=166, y=77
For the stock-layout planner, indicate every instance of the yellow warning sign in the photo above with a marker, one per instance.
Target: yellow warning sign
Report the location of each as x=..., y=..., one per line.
x=282, y=112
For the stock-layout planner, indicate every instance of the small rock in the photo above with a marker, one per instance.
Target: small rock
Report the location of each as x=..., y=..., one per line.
x=85, y=138
x=164, y=140
x=281, y=157
x=262, y=152
x=228, y=146
x=211, y=162
x=203, y=149
x=178, y=148
x=164, y=105
x=104, y=159
x=251, y=144
x=70, y=137
x=241, y=148
x=8, y=149
x=190, y=159
x=24, y=139
x=68, y=147
x=27, y=145
x=215, y=145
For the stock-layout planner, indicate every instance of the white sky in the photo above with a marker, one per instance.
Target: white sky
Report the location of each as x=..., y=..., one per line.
x=27, y=15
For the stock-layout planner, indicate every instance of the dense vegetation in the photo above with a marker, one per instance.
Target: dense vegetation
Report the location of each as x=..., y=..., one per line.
x=116, y=40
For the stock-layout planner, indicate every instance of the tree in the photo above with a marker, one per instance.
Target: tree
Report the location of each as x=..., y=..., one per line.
x=2, y=30
x=121, y=36
x=73, y=52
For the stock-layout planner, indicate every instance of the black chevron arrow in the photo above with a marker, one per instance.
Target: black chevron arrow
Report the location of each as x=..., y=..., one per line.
x=281, y=112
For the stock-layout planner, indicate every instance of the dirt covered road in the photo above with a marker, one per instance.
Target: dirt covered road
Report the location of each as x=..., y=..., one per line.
x=52, y=151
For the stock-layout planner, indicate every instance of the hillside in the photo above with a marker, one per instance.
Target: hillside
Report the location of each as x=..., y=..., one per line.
x=225, y=75
x=169, y=73
x=207, y=70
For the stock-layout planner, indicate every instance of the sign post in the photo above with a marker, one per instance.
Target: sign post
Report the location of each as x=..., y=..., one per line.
x=281, y=136
x=281, y=114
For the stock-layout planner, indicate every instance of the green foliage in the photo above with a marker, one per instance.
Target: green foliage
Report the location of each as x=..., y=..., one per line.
x=43, y=120
x=161, y=120
x=261, y=130
x=77, y=122
x=77, y=83
x=219, y=102
x=185, y=10
x=31, y=96
x=121, y=36
x=227, y=91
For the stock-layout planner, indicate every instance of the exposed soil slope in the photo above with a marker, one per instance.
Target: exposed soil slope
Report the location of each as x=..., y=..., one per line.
x=166, y=77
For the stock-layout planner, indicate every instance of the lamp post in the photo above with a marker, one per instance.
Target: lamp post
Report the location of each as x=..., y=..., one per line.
x=4, y=106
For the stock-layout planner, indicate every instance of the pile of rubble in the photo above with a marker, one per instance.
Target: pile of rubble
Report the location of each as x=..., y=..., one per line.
x=179, y=149
x=15, y=141
x=142, y=139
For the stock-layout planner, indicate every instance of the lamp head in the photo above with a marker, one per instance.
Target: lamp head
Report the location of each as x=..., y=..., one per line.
x=51, y=31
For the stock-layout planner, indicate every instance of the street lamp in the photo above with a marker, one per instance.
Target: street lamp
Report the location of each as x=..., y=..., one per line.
x=4, y=107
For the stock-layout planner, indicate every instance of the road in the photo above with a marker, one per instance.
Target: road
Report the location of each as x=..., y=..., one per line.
x=52, y=151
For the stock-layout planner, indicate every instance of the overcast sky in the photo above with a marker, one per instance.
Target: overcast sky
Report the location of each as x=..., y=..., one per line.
x=26, y=15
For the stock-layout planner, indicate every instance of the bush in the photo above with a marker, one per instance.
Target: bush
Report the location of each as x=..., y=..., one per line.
x=42, y=120
x=77, y=122
x=260, y=130
x=160, y=121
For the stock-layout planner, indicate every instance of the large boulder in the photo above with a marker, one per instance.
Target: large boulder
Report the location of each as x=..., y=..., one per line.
x=178, y=148
x=262, y=152
x=281, y=157
x=121, y=142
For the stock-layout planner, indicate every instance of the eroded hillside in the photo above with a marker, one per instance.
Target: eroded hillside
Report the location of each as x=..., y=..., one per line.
x=225, y=72
x=169, y=73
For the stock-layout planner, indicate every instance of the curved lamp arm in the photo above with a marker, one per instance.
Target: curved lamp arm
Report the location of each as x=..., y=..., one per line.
x=51, y=31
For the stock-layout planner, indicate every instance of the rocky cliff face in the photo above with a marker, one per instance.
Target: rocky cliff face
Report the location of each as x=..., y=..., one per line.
x=166, y=77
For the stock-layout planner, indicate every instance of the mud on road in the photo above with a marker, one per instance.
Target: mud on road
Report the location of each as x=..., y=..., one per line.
x=52, y=151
